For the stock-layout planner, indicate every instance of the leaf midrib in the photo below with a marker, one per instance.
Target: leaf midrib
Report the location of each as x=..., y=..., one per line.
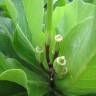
x=83, y=68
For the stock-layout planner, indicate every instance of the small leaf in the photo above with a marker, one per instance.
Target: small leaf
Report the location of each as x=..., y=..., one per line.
x=13, y=77
x=23, y=46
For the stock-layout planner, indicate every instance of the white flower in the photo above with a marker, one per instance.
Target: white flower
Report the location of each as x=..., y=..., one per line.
x=58, y=38
x=61, y=60
x=60, y=67
x=39, y=49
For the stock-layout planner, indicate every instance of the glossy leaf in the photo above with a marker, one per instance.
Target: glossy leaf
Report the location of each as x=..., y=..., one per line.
x=37, y=88
x=37, y=85
x=6, y=32
x=16, y=11
x=25, y=50
x=26, y=18
x=8, y=88
x=67, y=17
x=12, y=6
x=6, y=22
x=14, y=75
x=16, y=78
x=4, y=74
x=60, y=2
x=76, y=21
x=23, y=46
x=34, y=19
x=89, y=1
x=5, y=45
x=80, y=49
x=77, y=9
x=32, y=78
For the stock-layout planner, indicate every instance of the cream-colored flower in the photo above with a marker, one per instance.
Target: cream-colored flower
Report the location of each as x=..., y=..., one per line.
x=61, y=60
x=39, y=49
x=58, y=38
x=60, y=67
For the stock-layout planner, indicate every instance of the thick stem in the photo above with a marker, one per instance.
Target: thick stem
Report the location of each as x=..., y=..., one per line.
x=49, y=21
x=48, y=31
x=51, y=69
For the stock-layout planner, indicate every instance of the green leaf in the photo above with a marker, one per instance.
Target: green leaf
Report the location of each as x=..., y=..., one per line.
x=60, y=2
x=22, y=13
x=37, y=85
x=16, y=11
x=10, y=63
x=1, y=3
x=13, y=77
x=23, y=46
x=6, y=30
x=6, y=22
x=5, y=44
x=65, y=18
x=31, y=75
x=37, y=88
x=80, y=49
x=89, y=1
x=25, y=50
x=81, y=38
x=77, y=9
x=34, y=81
x=4, y=65
x=85, y=82
x=8, y=88
x=58, y=15
x=34, y=19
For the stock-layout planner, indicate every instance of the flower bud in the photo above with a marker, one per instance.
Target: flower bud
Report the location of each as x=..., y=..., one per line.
x=58, y=41
x=60, y=67
x=39, y=54
x=58, y=38
x=56, y=46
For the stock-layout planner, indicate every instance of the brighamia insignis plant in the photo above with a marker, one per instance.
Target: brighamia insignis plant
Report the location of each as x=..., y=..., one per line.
x=47, y=50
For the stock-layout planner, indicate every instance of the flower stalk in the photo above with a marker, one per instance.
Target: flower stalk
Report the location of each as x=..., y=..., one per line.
x=60, y=67
x=58, y=41
x=39, y=54
x=49, y=21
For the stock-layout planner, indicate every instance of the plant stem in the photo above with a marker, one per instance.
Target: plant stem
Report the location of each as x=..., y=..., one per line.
x=49, y=21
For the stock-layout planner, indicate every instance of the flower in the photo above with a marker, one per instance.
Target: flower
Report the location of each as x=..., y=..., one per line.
x=60, y=67
x=38, y=49
x=58, y=38
x=39, y=54
x=61, y=60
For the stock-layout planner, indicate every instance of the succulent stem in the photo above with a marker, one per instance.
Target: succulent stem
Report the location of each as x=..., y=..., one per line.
x=58, y=41
x=49, y=21
x=60, y=67
x=39, y=54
